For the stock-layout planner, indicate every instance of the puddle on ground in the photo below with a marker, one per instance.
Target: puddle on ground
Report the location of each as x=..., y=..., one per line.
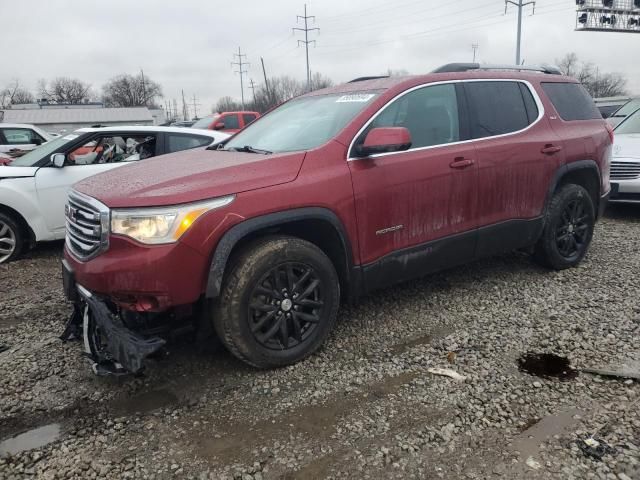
x=315, y=421
x=527, y=443
x=438, y=332
x=36, y=438
x=547, y=365
x=144, y=403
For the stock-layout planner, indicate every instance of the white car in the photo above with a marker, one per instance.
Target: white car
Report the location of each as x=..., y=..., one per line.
x=33, y=188
x=21, y=137
x=625, y=164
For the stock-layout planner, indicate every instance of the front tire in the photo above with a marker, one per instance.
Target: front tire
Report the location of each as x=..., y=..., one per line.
x=278, y=303
x=568, y=228
x=11, y=239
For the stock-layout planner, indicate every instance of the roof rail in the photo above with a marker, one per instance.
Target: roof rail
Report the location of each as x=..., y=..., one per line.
x=465, y=67
x=362, y=79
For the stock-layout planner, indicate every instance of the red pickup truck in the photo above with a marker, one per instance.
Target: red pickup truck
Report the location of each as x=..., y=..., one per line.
x=332, y=195
x=228, y=122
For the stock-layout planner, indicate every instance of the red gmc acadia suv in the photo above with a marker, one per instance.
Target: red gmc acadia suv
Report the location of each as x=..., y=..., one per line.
x=333, y=194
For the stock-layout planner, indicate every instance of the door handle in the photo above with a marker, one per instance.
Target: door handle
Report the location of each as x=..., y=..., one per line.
x=550, y=149
x=461, y=162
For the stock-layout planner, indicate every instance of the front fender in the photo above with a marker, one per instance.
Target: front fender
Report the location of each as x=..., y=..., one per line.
x=231, y=238
x=19, y=195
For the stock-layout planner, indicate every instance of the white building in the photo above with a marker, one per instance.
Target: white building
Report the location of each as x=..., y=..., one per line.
x=64, y=119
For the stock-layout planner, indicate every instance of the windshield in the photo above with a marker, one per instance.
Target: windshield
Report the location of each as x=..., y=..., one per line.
x=630, y=125
x=628, y=108
x=34, y=156
x=204, y=122
x=301, y=124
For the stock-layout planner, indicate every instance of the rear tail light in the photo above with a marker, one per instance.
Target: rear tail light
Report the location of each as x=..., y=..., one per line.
x=611, y=134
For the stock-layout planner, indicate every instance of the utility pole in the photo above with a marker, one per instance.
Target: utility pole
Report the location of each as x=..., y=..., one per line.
x=144, y=88
x=266, y=83
x=185, y=110
x=253, y=90
x=240, y=63
x=520, y=4
x=195, y=107
x=306, y=40
x=475, y=47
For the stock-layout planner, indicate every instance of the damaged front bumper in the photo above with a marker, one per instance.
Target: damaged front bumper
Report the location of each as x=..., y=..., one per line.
x=112, y=348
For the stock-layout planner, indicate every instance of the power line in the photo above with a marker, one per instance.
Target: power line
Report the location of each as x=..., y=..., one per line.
x=306, y=40
x=240, y=63
x=520, y=6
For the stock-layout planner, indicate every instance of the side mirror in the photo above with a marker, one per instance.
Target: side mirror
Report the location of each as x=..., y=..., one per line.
x=57, y=160
x=385, y=140
x=37, y=141
x=218, y=126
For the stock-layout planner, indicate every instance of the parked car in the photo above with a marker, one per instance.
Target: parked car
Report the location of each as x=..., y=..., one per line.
x=333, y=194
x=20, y=138
x=623, y=112
x=625, y=167
x=229, y=122
x=33, y=188
x=183, y=123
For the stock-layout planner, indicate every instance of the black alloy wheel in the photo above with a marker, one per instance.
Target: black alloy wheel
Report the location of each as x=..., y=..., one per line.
x=569, y=221
x=573, y=230
x=286, y=306
x=278, y=303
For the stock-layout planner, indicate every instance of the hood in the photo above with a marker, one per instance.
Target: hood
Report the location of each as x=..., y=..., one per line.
x=17, y=172
x=190, y=176
x=626, y=145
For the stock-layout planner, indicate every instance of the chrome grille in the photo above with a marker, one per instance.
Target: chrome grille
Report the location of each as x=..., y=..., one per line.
x=625, y=170
x=87, y=222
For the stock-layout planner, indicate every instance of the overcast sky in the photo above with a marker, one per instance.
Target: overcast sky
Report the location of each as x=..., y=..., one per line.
x=189, y=44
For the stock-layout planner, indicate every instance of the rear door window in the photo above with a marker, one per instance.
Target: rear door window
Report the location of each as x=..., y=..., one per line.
x=498, y=108
x=572, y=101
x=178, y=142
x=231, y=122
x=248, y=118
x=21, y=136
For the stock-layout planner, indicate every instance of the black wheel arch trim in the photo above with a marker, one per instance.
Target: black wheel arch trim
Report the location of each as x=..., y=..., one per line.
x=236, y=233
x=567, y=168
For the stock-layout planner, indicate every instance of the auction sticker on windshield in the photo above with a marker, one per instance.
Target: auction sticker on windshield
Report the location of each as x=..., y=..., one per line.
x=355, y=98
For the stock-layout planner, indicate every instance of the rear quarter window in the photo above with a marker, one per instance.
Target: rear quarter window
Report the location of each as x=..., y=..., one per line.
x=498, y=108
x=572, y=101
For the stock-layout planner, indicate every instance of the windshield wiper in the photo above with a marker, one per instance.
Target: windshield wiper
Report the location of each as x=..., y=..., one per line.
x=250, y=149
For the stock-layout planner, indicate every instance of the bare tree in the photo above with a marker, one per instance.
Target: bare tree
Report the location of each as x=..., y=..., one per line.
x=228, y=104
x=130, y=91
x=396, y=73
x=280, y=90
x=14, y=94
x=597, y=83
x=65, y=90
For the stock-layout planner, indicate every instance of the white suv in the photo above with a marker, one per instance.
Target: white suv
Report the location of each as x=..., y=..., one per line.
x=625, y=165
x=34, y=187
x=18, y=137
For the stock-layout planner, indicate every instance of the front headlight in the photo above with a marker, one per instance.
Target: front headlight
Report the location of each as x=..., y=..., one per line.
x=164, y=224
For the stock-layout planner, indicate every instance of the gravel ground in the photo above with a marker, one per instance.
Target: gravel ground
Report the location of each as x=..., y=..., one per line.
x=365, y=406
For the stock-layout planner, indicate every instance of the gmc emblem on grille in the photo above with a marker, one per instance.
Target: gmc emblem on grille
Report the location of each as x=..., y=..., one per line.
x=72, y=213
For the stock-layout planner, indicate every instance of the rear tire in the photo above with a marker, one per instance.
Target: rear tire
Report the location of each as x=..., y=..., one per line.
x=278, y=303
x=568, y=228
x=11, y=239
